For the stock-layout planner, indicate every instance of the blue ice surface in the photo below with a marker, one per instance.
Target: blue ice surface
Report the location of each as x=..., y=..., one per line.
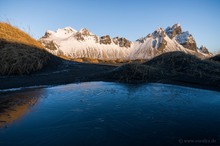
x=106, y=113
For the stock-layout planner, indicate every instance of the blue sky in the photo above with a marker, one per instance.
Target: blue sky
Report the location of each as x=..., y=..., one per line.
x=129, y=18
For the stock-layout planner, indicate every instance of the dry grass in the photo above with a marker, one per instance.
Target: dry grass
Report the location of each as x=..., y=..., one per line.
x=77, y=60
x=134, y=72
x=179, y=66
x=12, y=34
x=115, y=62
x=20, y=54
x=172, y=66
x=182, y=63
x=90, y=60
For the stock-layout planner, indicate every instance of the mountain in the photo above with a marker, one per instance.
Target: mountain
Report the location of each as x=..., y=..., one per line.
x=203, y=49
x=183, y=38
x=83, y=43
x=72, y=44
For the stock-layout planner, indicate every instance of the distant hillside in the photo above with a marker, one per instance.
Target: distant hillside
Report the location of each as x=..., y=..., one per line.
x=19, y=53
x=169, y=67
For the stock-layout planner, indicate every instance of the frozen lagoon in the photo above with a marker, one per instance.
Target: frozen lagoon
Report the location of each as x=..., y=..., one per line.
x=105, y=113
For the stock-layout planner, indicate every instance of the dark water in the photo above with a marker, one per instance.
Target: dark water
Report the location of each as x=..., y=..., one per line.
x=100, y=113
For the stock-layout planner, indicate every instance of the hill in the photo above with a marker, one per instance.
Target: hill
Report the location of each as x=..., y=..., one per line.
x=215, y=58
x=171, y=67
x=20, y=53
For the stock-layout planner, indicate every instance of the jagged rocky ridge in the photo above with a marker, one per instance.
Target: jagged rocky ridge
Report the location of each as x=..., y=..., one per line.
x=84, y=44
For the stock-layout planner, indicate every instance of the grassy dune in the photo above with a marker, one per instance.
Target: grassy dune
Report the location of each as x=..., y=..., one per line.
x=19, y=53
x=169, y=67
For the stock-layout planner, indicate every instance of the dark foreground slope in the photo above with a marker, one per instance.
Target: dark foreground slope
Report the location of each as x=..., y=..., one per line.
x=172, y=67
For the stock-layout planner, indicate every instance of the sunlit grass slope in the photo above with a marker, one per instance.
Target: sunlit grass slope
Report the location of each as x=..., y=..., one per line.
x=19, y=53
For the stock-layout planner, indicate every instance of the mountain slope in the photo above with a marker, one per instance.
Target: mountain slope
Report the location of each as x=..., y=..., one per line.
x=84, y=44
x=154, y=44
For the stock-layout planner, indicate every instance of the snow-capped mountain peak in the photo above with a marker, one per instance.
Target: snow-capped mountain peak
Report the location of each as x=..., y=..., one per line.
x=60, y=33
x=79, y=44
x=203, y=49
x=65, y=31
x=183, y=38
x=159, y=33
x=174, y=30
x=69, y=29
x=85, y=32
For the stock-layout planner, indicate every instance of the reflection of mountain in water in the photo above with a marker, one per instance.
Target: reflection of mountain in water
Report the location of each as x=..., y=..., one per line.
x=15, y=105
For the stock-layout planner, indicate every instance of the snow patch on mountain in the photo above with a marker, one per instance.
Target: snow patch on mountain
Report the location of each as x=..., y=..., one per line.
x=84, y=44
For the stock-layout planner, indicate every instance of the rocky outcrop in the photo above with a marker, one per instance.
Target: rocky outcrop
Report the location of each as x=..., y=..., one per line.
x=158, y=33
x=105, y=40
x=46, y=35
x=174, y=30
x=190, y=46
x=186, y=40
x=51, y=45
x=141, y=40
x=159, y=42
x=122, y=42
x=96, y=38
x=85, y=32
x=183, y=38
x=78, y=36
x=162, y=45
x=116, y=40
x=203, y=49
x=68, y=30
x=81, y=34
